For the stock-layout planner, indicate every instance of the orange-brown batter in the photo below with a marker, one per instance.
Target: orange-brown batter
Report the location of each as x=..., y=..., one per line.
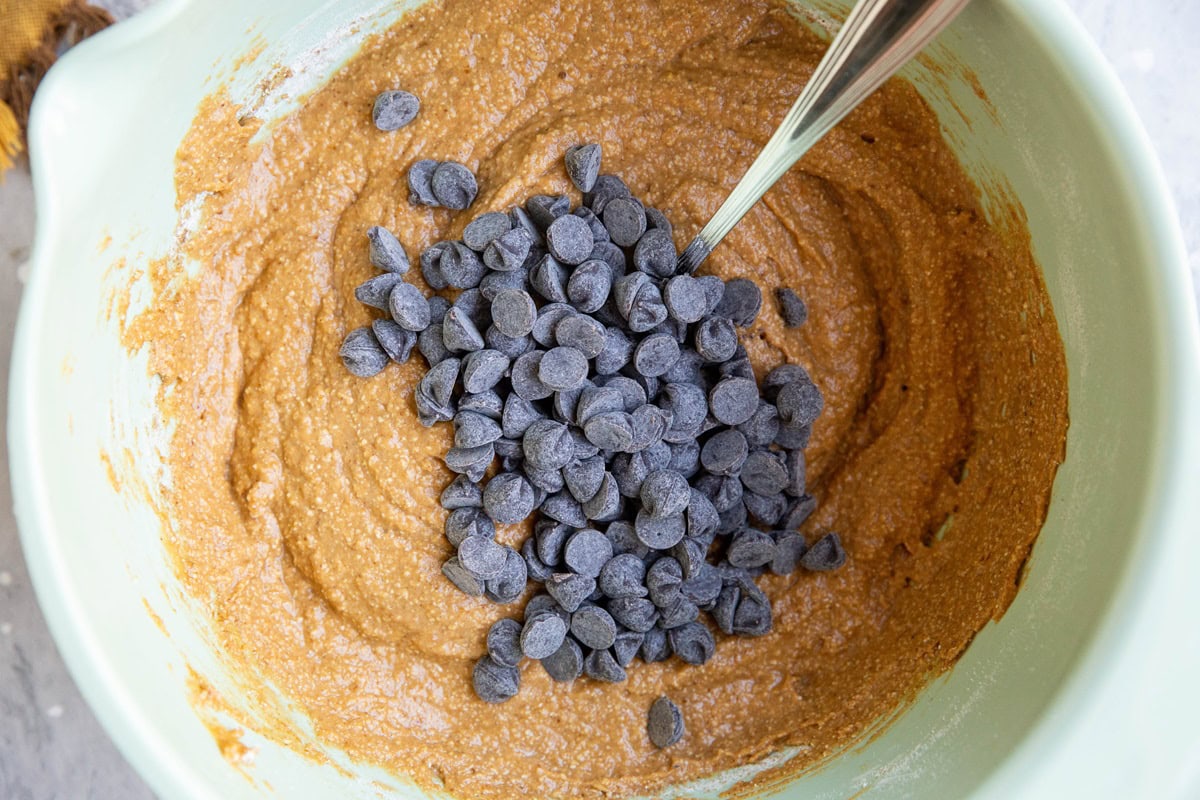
x=305, y=499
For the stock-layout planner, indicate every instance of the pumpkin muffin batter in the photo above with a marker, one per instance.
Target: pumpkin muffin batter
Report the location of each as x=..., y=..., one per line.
x=304, y=501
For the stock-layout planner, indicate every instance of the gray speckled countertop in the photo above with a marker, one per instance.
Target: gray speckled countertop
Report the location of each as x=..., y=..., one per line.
x=50, y=744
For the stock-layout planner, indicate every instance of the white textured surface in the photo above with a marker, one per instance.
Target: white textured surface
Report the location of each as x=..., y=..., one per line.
x=52, y=747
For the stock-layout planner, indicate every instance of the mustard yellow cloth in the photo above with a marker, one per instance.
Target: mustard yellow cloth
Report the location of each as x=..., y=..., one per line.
x=31, y=33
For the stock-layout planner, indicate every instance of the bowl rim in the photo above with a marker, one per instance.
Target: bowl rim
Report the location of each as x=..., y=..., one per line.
x=1170, y=506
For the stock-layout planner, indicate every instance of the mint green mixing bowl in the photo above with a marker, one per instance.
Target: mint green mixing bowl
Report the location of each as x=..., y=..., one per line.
x=1085, y=688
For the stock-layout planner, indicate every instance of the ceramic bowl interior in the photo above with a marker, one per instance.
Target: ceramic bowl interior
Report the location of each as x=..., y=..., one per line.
x=1016, y=717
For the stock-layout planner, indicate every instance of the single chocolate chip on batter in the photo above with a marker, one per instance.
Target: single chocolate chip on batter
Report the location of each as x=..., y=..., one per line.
x=394, y=109
x=665, y=723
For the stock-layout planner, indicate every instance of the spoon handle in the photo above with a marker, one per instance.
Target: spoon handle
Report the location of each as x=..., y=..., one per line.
x=876, y=40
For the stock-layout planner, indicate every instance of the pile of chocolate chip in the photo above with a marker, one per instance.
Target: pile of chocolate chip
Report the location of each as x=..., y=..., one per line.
x=608, y=397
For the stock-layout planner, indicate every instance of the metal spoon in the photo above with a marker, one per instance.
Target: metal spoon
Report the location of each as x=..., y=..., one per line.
x=876, y=40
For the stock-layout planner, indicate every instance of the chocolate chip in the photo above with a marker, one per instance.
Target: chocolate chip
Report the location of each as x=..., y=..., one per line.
x=599, y=232
x=513, y=313
x=482, y=557
x=377, y=290
x=481, y=231
x=570, y=239
x=566, y=663
x=767, y=509
x=624, y=539
x=685, y=299
x=679, y=612
x=610, y=431
x=549, y=316
x=716, y=339
x=454, y=185
x=741, y=302
x=549, y=279
x=459, y=332
x=504, y=642
x=534, y=566
x=799, y=402
x=509, y=251
x=605, y=505
x=586, y=552
x=395, y=341
x=703, y=587
x=470, y=461
x=686, y=404
x=734, y=400
x=693, y=643
x=685, y=457
x=762, y=426
x=655, y=646
x=789, y=549
x=493, y=682
x=431, y=265
x=496, y=282
x=665, y=493
x=462, y=578
x=474, y=430
x=610, y=254
x=525, y=380
x=635, y=613
x=625, y=647
x=826, y=554
x=797, y=469
x=420, y=182
x=793, y=436
x=602, y=666
x=724, y=453
x=510, y=583
x=663, y=580
x=723, y=491
x=733, y=518
x=362, y=354
x=702, y=518
x=725, y=607
x=583, y=165
x=508, y=498
x=562, y=368
x=594, y=627
x=386, y=252
x=623, y=576
x=518, y=415
x=655, y=354
x=791, y=308
x=618, y=350
x=665, y=723
x=394, y=109
x=547, y=444
x=583, y=477
x=655, y=253
x=582, y=333
x=751, y=548
x=460, y=266
x=753, y=614
x=625, y=220
x=799, y=511
x=589, y=286
x=461, y=493
x=545, y=208
x=551, y=537
x=714, y=292
x=564, y=508
x=764, y=472
x=605, y=189
x=570, y=590
x=542, y=634
x=482, y=370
